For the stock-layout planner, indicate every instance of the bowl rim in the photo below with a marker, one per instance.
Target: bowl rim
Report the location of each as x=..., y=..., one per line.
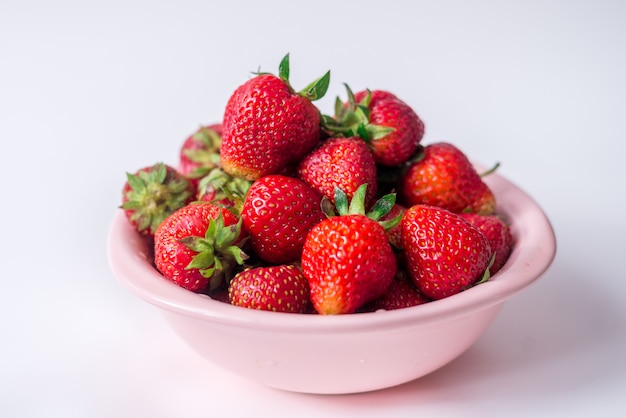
x=533, y=253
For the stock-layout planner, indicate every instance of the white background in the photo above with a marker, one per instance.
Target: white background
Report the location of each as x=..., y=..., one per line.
x=90, y=90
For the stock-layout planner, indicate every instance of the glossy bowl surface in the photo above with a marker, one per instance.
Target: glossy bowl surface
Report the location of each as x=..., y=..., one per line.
x=346, y=353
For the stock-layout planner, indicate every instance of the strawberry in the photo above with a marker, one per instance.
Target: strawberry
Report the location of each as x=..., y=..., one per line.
x=394, y=234
x=268, y=126
x=497, y=233
x=445, y=254
x=280, y=288
x=345, y=163
x=443, y=176
x=374, y=97
x=153, y=193
x=402, y=293
x=390, y=126
x=347, y=259
x=200, y=152
x=197, y=247
x=277, y=213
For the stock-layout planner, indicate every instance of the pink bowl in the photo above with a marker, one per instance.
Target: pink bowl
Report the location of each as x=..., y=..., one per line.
x=347, y=353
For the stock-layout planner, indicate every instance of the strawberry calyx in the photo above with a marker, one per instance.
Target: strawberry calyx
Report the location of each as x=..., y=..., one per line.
x=218, y=252
x=312, y=92
x=208, y=155
x=153, y=194
x=356, y=206
x=224, y=190
x=353, y=119
x=317, y=89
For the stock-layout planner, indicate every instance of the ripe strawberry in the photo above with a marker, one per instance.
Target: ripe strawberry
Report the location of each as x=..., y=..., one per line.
x=200, y=152
x=345, y=163
x=374, y=96
x=277, y=213
x=268, y=127
x=445, y=254
x=196, y=247
x=497, y=233
x=347, y=259
x=443, y=176
x=280, y=288
x=390, y=126
x=394, y=234
x=402, y=293
x=153, y=193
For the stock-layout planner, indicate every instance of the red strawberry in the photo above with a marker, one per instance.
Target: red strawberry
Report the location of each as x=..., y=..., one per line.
x=394, y=234
x=345, y=163
x=374, y=96
x=347, y=259
x=497, y=233
x=197, y=248
x=280, y=288
x=268, y=127
x=443, y=176
x=445, y=254
x=277, y=213
x=402, y=293
x=152, y=194
x=201, y=152
x=390, y=126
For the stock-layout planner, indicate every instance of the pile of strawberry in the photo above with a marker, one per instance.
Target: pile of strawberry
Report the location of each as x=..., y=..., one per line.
x=281, y=208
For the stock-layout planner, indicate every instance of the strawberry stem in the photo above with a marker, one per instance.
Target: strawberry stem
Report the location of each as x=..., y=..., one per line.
x=491, y=170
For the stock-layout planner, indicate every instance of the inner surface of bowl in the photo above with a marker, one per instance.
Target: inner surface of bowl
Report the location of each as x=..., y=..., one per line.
x=342, y=353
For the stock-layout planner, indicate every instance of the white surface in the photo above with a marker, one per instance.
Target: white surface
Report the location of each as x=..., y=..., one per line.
x=90, y=90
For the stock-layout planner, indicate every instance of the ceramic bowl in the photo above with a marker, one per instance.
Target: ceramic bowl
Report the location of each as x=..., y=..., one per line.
x=344, y=353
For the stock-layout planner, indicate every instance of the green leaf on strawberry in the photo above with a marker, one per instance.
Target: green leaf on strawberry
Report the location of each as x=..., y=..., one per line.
x=283, y=69
x=152, y=193
x=353, y=119
x=199, y=246
x=317, y=89
x=219, y=239
x=356, y=206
